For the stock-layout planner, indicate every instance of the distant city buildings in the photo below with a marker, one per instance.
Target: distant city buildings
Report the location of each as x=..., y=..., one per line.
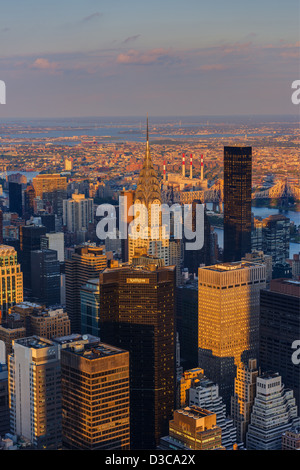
x=78, y=213
x=186, y=333
x=51, y=189
x=272, y=236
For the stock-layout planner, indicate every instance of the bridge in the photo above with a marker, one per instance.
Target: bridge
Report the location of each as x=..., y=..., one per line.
x=283, y=189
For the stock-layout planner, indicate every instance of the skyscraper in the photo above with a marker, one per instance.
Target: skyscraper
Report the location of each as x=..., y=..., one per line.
x=126, y=219
x=45, y=277
x=15, y=198
x=148, y=195
x=30, y=239
x=29, y=195
x=35, y=391
x=274, y=412
x=78, y=212
x=137, y=313
x=237, y=202
x=90, y=307
x=187, y=322
x=4, y=402
x=272, y=236
x=11, y=280
x=86, y=262
x=243, y=399
x=205, y=394
x=279, y=328
x=52, y=189
x=95, y=394
x=228, y=319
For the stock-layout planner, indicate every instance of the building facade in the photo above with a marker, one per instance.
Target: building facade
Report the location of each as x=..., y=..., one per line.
x=237, y=202
x=192, y=428
x=243, y=398
x=228, y=330
x=95, y=395
x=137, y=313
x=279, y=328
x=274, y=412
x=11, y=280
x=86, y=263
x=35, y=392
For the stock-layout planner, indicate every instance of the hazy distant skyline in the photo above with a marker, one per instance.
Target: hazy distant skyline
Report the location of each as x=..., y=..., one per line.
x=125, y=58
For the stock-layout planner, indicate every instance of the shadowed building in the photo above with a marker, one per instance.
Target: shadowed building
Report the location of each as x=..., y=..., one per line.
x=86, y=263
x=137, y=313
x=279, y=328
x=30, y=239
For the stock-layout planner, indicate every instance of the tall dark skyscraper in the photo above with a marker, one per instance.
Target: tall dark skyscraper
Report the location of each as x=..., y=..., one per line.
x=279, y=328
x=29, y=195
x=15, y=197
x=138, y=314
x=30, y=239
x=45, y=277
x=237, y=202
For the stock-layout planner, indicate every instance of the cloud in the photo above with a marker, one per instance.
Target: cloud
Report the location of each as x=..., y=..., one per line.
x=208, y=67
x=153, y=56
x=97, y=14
x=44, y=64
x=131, y=38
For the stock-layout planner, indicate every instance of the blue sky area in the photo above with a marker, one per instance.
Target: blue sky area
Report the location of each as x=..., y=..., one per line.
x=169, y=57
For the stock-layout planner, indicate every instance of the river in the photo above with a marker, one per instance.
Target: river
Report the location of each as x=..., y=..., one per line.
x=264, y=212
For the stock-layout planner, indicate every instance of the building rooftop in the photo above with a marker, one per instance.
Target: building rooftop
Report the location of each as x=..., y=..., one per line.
x=233, y=266
x=34, y=342
x=91, y=349
x=194, y=412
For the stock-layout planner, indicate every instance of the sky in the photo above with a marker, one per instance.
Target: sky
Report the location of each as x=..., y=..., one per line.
x=72, y=58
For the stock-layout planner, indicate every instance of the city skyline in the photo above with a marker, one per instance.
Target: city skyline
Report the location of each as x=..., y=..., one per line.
x=149, y=267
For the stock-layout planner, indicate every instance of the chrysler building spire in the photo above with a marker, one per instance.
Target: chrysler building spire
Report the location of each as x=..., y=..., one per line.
x=148, y=187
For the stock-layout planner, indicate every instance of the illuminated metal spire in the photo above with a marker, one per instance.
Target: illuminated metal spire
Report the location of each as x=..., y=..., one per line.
x=148, y=187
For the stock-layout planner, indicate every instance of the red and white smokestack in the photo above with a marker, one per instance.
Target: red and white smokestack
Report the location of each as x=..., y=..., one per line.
x=183, y=165
x=164, y=170
x=191, y=166
x=201, y=167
